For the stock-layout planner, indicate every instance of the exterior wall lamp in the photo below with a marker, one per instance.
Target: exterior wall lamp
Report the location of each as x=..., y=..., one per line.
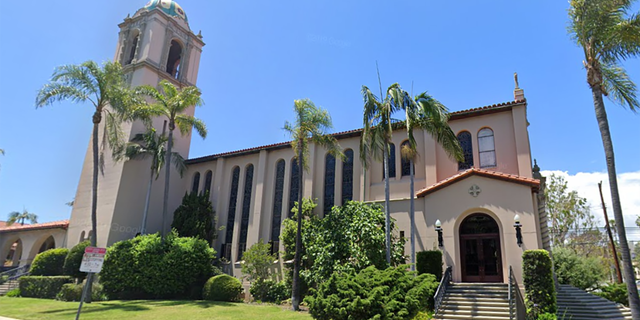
x=439, y=230
x=518, y=227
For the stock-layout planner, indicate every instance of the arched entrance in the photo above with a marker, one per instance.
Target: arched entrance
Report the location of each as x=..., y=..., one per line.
x=480, y=253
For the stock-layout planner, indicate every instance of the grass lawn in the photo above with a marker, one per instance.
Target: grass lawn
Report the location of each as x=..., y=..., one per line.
x=28, y=309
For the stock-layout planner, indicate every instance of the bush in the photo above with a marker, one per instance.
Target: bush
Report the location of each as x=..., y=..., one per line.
x=393, y=293
x=49, y=263
x=547, y=316
x=257, y=260
x=270, y=291
x=616, y=292
x=73, y=292
x=222, y=288
x=13, y=293
x=145, y=267
x=540, y=293
x=578, y=271
x=195, y=217
x=429, y=262
x=41, y=286
x=74, y=259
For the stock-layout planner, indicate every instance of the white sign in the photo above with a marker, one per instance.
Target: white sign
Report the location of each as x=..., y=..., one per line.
x=92, y=259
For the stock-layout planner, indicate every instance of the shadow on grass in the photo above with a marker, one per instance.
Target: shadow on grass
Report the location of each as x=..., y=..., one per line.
x=100, y=307
x=197, y=303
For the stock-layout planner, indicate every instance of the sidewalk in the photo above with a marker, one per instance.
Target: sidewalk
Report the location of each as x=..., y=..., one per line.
x=5, y=318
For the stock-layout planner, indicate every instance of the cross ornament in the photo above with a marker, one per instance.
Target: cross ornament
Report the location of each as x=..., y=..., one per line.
x=474, y=190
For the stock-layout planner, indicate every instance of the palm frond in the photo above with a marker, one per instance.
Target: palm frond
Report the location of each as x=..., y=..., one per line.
x=620, y=88
x=186, y=122
x=55, y=92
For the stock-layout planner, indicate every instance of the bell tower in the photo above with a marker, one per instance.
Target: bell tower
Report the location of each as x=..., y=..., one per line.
x=155, y=44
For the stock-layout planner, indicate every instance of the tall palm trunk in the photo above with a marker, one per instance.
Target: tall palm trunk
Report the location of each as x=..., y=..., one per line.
x=97, y=117
x=387, y=216
x=295, y=291
x=603, y=123
x=412, y=217
x=143, y=228
x=167, y=175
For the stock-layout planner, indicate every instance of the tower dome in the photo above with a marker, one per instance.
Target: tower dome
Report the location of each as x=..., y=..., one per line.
x=169, y=7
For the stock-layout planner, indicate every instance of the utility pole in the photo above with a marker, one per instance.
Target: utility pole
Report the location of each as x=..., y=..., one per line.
x=612, y=243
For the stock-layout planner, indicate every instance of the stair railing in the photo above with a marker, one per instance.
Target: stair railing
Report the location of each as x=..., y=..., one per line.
x=517, y=309
x=14, y=274
x=442, y=289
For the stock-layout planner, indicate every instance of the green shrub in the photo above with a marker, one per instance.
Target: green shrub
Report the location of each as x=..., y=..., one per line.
x=429, y=262
x=547, y=316
x=616, y=292
x=393, y=293
x=576, y=270
x=3, y=279
x=74, y=259
x=49, y=263
x=195, y=217
x=257, y=261
x=42, y=286
x=144, y=267
x=73, y=292
x=222, y=288
x=540, y=293
x=270, y=291
x=13, y=293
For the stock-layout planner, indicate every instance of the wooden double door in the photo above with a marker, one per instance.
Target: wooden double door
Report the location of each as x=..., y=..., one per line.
x=480, y=251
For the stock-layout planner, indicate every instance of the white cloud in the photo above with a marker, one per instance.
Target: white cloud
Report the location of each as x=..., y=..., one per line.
x=586, y=184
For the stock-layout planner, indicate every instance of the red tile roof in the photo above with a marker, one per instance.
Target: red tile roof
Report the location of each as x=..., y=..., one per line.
x=533, y=183
x=64, y=224
x=356, y=132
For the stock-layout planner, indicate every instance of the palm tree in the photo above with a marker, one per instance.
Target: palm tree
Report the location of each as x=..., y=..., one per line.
x=171, y=103
x=104, y=87
x=609, y=34
x=22, y=216
x=149, y=144
x=311, y=126
x=428, y=114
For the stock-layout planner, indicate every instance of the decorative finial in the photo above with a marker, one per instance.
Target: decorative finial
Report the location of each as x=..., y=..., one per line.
x=536, y=170
x=200, y=34
x=515, y=77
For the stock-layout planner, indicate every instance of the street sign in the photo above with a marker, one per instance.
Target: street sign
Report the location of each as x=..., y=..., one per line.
x=92, y=259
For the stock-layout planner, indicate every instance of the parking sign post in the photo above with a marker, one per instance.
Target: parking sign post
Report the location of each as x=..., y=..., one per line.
x=91, y=263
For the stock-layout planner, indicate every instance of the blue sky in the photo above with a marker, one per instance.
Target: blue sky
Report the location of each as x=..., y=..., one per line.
x=261, y=55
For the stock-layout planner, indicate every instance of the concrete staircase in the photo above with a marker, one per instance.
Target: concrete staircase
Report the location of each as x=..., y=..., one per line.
x=5, y=287
x=576, y=304
x=487, y=301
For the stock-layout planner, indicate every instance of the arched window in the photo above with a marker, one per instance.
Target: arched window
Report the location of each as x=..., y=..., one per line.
x=392, y=162
x=329, y=182
x=347, y=176
x=246, y=205
x=134, y=47
x=207, y=181
x=173, y=61
x=196, y=183
x=294, y=185
x=277, y=206
x=405, y=164
x=90, y=236
x=464, y=138
x=486, y=148
x=81, y=236
x=231, y=215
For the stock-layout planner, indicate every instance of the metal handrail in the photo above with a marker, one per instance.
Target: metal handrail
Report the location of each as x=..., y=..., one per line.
x=16, y=273
x=516, y=301
x=442, y=289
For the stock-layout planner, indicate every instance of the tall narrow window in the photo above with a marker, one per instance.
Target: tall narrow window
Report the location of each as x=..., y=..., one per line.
x=277, y=206
x=486, y=148
x=329, y=182
x=405, y=164
x=207, y=181
x=392, y=162
x=231, y=215
x=134, y=48
x=246, y=205
x=347, y=176
x=464, y=138
x=294, y=185
x=173, y=61
x=196, y=183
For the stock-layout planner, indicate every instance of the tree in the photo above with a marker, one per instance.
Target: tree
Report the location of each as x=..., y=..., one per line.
x=428, y=114
x=579, y=271
x=151, y=145
x=16, y=216
x=568, y=213
x=172, y=103
x=609, y=33
x=257, y=260
x=195, y=217
x=311, y=126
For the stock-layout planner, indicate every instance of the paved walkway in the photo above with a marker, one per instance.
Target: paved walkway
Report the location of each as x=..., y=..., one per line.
x=5, y=318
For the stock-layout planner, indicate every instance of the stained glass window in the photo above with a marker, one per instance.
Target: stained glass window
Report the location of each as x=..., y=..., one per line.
x=392, y=162
x=207, y=181
x=294, y=185
x=347, y=176
x=196, y=183
x=464, y=138
x=486, y=148
x=277, y=201
x=233, y=200
x=246, y=205
x=329, y=182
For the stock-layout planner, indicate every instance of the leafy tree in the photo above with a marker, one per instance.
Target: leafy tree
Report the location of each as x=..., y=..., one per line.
x=568, y=212
x=151, y=145
x=195, y=217
x=172, y=103
x=16, y=216
x=428, y=114
x=609, y=33
x=311, y=126
x=257, y=261
x=578, y=271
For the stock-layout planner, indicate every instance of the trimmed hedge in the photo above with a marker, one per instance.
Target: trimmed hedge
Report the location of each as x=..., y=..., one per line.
x=42, y=286
x=540, y=292
x=49, y=263
x=222, y=288
x=74, y=259
x=270, y=291
x=73, y=292
x=429, y=262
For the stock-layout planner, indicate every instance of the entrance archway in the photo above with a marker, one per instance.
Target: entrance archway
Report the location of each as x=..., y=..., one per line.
x=480, y=253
